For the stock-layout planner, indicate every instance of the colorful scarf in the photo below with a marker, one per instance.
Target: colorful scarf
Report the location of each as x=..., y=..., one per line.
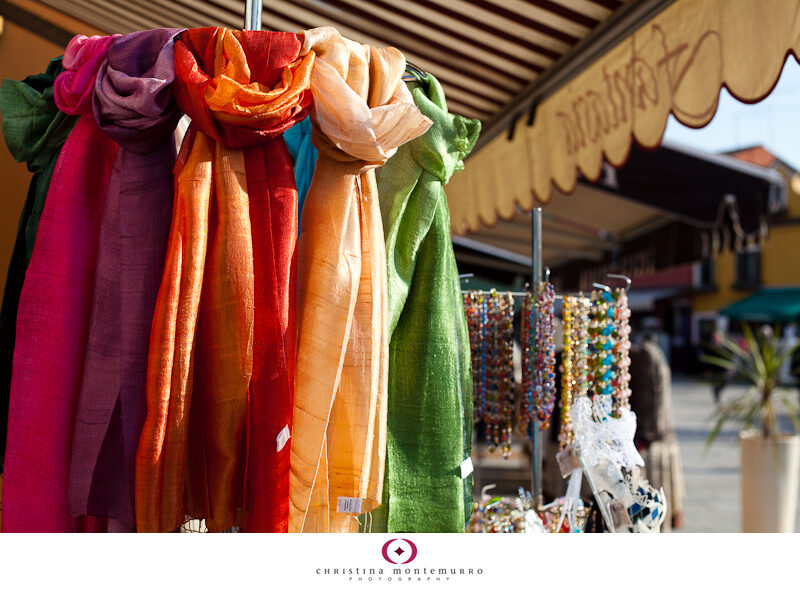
x=220, y=374
x=430, y=386
x=54, y=309
x=362, y=112
x=134, y=106
x=34, y=130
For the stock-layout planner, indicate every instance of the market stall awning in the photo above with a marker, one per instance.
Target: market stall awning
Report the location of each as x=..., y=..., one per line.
x=578, y=226
x=485, y=52
x=697, y=187
x=653, y=189
x=773, y=305
x=674, y=64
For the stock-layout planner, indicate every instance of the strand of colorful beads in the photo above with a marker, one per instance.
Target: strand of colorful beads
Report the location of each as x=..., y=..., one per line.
x=506, y=367
x=602, y=333
x=492, y=362
x=622, y=391
x=580, y=323
x=474, y=310
x=544, y=377
x=528, y=350
x=568, y=375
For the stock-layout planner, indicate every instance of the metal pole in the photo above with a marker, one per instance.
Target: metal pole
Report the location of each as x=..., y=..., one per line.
x=536, y=280
x=252, y=15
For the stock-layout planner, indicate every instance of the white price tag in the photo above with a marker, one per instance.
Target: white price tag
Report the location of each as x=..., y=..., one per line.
x=466, y=468
x=348, y=504
x=283, y=437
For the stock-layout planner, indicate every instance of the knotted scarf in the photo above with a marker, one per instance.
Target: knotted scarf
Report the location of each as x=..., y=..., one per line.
x=34, y=130
x=134, y=105
x=430, y=387
x=362, y=112
x=54, y=309
x=232, y=241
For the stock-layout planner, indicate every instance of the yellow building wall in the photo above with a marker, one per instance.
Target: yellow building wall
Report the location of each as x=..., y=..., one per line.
x=780, y=260
x=780, y=266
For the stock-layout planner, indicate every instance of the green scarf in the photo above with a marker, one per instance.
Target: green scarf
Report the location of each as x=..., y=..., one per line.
x=34, y=130
x=430, y=387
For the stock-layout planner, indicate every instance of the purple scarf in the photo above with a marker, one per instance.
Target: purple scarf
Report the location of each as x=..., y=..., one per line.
x=134, y=105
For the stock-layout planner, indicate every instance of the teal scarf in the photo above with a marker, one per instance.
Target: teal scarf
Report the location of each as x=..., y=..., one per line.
x=304, y=155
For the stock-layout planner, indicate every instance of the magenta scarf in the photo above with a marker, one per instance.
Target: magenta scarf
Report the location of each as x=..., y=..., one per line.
x=55, y=304
x=134, y=106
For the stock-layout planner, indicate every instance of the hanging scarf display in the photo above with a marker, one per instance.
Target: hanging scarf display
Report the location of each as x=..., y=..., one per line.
x=362, y=112
x=231, y=240
x=34, y=130
x=430, y=398
x=54, y=309
x=134, y=106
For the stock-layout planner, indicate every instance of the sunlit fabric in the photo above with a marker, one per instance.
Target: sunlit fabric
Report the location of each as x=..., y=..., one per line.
x=430, y=384
x=35, y=131
x=135, y=107
x=362, y=112
x=54, y=309
x=232, y=241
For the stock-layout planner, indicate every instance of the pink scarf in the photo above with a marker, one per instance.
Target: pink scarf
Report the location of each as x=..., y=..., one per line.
x=55, y=304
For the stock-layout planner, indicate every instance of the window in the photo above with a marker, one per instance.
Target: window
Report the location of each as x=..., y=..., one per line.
x=748, y=268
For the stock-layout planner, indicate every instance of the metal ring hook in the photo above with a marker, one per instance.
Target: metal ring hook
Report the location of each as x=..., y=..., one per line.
x=603, y=286
x=621, y=277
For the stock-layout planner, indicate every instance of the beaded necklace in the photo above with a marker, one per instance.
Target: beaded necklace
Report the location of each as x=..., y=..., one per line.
x=622, y=391
x=491, y=331
x=498, y=363
x=506, y=362
x=602, y=331
x=544, y=376
x=575, y=361
x=474, y=308
x=581, y=338
x=568, y=372
x=527, y=338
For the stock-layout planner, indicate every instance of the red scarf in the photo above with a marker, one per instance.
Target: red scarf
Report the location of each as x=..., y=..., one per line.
x=221, y=371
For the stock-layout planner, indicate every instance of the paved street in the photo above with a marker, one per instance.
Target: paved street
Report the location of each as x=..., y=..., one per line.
x=712, y=476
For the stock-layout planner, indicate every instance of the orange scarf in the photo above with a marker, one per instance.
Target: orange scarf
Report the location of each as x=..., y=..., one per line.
x=242, y=90
x=362, y=112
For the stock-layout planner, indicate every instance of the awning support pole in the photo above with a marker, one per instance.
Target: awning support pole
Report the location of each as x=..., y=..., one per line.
x=536, y=280
x=252, y=15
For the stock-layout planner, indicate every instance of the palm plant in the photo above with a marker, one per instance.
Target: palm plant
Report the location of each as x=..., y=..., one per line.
x=758, y=361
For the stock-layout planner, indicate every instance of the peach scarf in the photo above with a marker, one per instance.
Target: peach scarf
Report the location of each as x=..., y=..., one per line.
x=362, y=112
x=242, y=90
